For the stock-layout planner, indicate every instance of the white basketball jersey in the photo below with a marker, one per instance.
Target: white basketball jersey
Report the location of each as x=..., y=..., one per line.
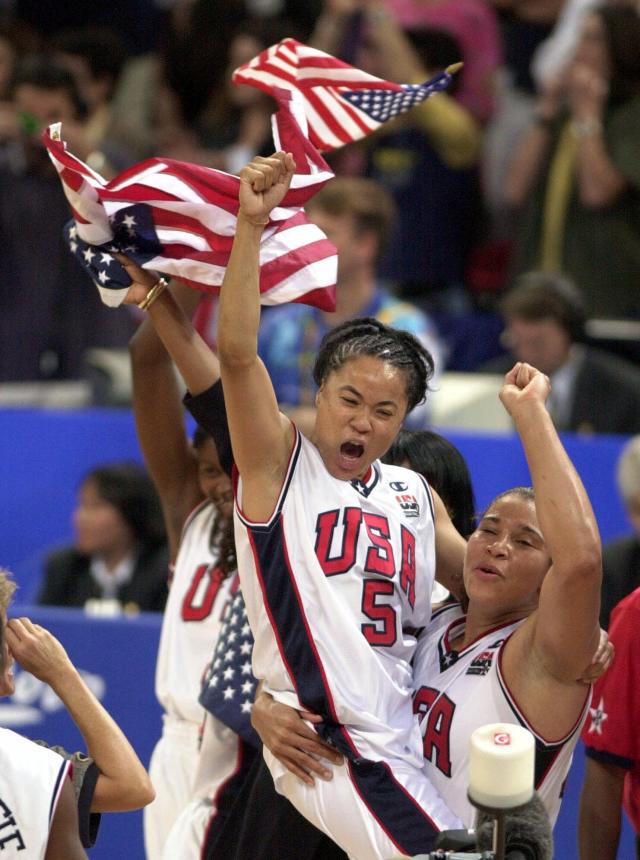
x=335, y=584
x=456, y=693
x=31, y=779
x=192, y=617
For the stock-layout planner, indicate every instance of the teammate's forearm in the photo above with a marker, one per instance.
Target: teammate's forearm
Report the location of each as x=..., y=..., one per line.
x=196, y=363
x=124, y=783
x=239, y=312
x=562, y=505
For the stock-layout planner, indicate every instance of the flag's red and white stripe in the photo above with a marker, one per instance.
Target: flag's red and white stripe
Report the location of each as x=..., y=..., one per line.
x=320, y=79
x=195, y=209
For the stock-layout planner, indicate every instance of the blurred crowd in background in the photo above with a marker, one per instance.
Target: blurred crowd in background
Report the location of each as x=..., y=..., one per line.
x=529, y=163
x=497, y=221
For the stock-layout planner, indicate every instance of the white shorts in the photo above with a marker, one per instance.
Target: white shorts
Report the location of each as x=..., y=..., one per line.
x=373, y=811
x=186, y=837
x=219, y=760
x=172, y=770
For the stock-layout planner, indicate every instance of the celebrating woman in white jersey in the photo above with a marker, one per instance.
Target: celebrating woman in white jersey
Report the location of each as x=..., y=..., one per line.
x=533, y=575
x=336, y=552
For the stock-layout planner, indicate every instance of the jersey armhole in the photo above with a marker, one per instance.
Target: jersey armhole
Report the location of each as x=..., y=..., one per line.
x=293, y=459
x=65, y=772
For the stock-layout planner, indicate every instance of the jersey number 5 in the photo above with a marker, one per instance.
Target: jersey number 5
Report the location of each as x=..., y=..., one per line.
x=379, y=559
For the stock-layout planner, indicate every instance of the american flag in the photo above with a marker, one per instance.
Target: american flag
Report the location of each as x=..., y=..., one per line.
x=179, y=219
x=229, y=687
x=342, y=104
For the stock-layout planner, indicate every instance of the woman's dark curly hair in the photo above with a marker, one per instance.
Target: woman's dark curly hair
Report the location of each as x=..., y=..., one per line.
x=368, y=336
x=222, y=542
x=221, y=539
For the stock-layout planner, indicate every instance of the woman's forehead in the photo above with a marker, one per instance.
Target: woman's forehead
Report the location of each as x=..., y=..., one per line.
x=513, y=507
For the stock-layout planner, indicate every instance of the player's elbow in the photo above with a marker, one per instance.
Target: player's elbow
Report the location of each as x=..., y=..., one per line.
x=585, y=564
x=236, y=355
x=123, y=795
x=143, y=793
x=140, y=791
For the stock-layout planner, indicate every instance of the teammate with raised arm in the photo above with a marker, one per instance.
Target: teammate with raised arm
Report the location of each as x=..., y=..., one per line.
x=336, y=552
x=195, y=492
x=532, y=572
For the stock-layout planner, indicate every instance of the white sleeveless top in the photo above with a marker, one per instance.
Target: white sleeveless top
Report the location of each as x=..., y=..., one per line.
x=31, y=779
x=456, y=693
x=335, y=584
x=192, y=618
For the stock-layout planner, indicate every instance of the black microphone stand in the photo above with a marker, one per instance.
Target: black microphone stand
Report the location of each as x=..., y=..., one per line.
x=499, y=815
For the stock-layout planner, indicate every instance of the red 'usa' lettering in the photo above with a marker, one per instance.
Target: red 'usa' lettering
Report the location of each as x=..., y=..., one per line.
x=325, y=528
x=201, y=594
x=439, y=710
x=380, y=555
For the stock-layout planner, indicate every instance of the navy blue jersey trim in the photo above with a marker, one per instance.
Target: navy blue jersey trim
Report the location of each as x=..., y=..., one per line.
x=287, y=616
x=609, y=758
x=365, y=489
x=65, y=768
x=400, y=816
x=404, y=821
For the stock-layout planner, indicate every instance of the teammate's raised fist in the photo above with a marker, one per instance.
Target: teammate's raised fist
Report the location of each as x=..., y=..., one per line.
x=524, y=384
x=263, y=184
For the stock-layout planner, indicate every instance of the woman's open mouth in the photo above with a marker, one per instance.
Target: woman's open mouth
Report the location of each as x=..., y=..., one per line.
x=488, y=572
x=351, y=451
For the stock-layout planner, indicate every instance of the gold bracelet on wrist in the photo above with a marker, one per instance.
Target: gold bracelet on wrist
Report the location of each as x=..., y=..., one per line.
x=159, y=287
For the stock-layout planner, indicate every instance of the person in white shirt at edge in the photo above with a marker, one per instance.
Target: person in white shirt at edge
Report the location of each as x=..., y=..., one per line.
x=532, y=573
x=38, y=806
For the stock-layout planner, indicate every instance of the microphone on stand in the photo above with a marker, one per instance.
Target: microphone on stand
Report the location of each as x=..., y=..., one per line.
x=528, y=834
x=501, y=775
x=511, y=822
